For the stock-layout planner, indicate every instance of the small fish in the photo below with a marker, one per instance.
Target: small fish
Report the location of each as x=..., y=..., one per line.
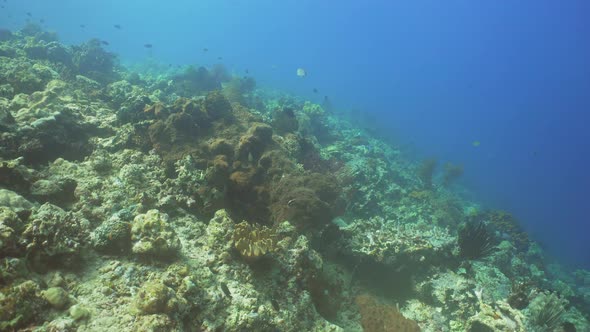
x=225, y=290
x=104, y=42
x=219, y=58
x=315, y=90
x=476, y=143
x=301, y=72
x=247, y=71
x=148, y=45
x=205, y=49
x=29, y=14
x=41, y=20
x=2, y=6
x=117, y=26
x=82, y=26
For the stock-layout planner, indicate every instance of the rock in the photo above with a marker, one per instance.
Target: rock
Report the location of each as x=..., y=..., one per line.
x=152, y=236
x=56, y=296
x=79, y=312
x=14, y=201
x=155, y=297
x=59, y=192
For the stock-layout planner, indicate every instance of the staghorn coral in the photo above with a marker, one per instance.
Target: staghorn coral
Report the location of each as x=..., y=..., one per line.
x=254, y=241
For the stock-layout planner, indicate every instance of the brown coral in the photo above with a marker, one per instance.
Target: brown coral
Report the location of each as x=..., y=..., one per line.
x=307, y=200
x=379, y=317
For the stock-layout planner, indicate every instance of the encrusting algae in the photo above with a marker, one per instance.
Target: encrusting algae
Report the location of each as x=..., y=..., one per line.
x=185, y=199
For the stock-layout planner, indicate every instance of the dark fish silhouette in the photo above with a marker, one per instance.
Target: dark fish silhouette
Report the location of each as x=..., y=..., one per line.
x=29, y=14
x=225, y=290
x=205, y=49
x=117, y=26
x=247, y=72
x=219, y=58
x=41, y=20
x=275, y=304
x=148, y=45
x=315, y=90
x=82, y=26
x=104, y=42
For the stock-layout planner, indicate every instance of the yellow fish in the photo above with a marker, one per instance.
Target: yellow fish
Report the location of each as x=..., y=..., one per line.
x=301, y=72
x=476, y=143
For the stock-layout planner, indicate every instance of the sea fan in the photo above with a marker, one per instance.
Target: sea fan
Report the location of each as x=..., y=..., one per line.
x=476, y=241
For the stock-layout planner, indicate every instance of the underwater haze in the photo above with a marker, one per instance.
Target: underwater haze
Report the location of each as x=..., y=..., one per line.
x=499, y=89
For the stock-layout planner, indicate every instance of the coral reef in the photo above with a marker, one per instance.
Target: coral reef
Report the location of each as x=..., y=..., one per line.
x=166, y=199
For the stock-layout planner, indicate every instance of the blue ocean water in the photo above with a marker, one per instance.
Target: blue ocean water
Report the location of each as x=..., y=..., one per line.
x=433, y=76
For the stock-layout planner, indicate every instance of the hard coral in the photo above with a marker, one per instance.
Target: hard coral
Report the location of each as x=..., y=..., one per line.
x=378, y=317
x=93, y=61
x=217, y=106
x=195, y=81
x=254, y=241
x=253, y=144
x=307, y=200
x=153, y=236
x=54, y=237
